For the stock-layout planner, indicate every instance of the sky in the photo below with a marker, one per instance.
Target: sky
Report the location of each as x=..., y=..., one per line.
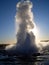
x=7, y=19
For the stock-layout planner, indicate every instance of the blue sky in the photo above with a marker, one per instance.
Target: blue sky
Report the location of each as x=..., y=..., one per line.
x=7, y=19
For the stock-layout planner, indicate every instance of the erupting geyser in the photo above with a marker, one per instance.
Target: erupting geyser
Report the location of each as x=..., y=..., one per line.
x=25, y=35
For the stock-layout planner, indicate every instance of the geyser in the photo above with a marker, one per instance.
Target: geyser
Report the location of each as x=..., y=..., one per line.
x=25, y=24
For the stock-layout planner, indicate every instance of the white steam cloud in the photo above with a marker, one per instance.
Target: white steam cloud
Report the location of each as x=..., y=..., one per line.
x=24, y=18
x=25, y=23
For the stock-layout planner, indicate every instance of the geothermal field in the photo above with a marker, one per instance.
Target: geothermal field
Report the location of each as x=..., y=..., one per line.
x=25, y=51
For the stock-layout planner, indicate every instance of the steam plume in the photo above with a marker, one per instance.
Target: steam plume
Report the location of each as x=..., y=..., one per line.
x=24, y=19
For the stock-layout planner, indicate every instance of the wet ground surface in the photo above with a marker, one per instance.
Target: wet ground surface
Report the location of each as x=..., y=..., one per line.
x=24, y=60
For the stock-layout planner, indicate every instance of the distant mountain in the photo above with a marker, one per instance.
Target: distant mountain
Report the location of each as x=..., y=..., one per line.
x=2, y=46
x=44, y=41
